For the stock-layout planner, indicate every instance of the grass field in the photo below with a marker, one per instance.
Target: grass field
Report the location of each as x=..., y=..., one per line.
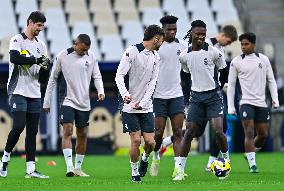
x=113, y=173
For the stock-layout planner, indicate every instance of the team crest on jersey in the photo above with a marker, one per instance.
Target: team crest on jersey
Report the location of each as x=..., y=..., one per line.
x=245, y=114
x=260, y=65
x=37, y=50
x=205, y=61
x=178, y=52
x=87, y=64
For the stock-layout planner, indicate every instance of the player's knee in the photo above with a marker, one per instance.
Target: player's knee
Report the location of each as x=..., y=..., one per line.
x=150, y=142
x=135, y=141
x=263, y=135
x=81, y=134
x=249, y=134
x=68, y=132
x=159, y=132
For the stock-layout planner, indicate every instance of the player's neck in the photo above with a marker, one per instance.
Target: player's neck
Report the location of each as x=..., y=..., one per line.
x=148, y=45
x=29, y=34
x=196, y=47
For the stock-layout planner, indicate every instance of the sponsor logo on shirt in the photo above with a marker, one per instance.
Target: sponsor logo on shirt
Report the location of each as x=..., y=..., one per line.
x=14, y=105
x=245, y=114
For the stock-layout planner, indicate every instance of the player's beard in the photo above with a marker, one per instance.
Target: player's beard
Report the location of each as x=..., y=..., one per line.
x=36, y=32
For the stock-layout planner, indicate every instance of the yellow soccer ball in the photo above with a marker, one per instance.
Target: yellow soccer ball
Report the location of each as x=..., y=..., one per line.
x=221, y=167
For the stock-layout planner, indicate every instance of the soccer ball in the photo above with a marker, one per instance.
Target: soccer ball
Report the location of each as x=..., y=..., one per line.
x=26, y=53
x=221, y=167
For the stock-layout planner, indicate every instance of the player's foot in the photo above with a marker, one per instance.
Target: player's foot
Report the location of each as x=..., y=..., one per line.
x=70, y=171
x=208, y=169
x=35, y=174
x=162, y=151
x=3, y=169
x=155, y=167
x=136, y=179
x=223, y=178
x=175, y=173
x=80, y=172
x=254, y=169
x=143, y=168
x=179, y=176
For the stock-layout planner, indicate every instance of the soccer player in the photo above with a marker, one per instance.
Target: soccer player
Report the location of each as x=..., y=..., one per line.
x=203, y=62
x=141, y=63
x=72, y=71
x=26, y=72
x=227, y=35
x=168, y=96
x=254, y=72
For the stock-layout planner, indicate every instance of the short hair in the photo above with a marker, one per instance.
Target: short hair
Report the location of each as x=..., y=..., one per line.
x=36, y=16
x=168, y=19
x=248, y=36
x=151, y=31
x=230, y=31
x=85, y=39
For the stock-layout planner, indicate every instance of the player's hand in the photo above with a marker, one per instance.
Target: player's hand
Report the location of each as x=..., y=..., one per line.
x=275, y=104
x=46, y=110
x=101, y=97
x=225, y=88
x=127, y=99
x=137, y=106
x=43, y=62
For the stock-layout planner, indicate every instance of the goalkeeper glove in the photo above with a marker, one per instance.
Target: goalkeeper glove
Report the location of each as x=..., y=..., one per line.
x=43, y=62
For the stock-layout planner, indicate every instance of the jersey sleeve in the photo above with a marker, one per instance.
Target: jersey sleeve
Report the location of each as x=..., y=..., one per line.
x=98, y=78
x=123, y=68
x=219, y=59
x=271, y=82
x=15, y=44
x=233, y=74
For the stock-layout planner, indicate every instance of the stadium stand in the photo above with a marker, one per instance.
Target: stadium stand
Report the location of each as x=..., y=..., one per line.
x=111, y=19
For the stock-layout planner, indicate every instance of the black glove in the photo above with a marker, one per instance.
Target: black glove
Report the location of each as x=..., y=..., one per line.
x=43, y=62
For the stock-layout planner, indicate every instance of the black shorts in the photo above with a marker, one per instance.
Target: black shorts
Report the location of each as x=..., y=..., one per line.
x=69, y=115
x=22, y=103
x=133, y=122
x=251, y=112
x=204, y=106
x=168, y=107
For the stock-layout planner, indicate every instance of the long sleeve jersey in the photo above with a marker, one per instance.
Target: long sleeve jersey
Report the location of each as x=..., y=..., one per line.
x=73, y=74
x=142, y=67
x=254, y=72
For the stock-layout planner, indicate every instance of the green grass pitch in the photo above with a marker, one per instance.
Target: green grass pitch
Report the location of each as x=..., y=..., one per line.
x=113, y=173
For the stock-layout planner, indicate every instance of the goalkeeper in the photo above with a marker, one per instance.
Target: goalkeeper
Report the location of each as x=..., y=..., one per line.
x=26, y=73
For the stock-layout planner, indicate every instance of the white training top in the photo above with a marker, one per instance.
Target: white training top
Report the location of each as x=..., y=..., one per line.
x=203, y=65
x=23, y=79
x=142, y=67
x=254, y=72
x=169, y=82
x=73, y=74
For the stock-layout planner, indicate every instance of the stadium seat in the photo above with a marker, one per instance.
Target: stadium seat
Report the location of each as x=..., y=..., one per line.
x=76, y=11
x=122, y=5
x=97, y=5
x=127, y=15
x=206, y=16
x=5, y=127
x=25, y=6
x=120, y=139
x=193, y=5
x=170, y=5
x=151, y=16
x=132, y=32
x=144, y=4
x=7, y=16
x=47, y=4
x=100, y=123
x=111, y=47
